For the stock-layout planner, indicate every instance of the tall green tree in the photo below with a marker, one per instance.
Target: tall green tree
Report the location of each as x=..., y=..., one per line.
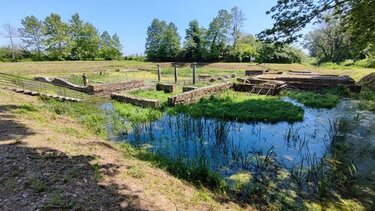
x=170, y=45
x=329, y=43
x=117, y=46
x=155, y=34
x=194, y=49
x=32, y=34
x=57, y=36
x=245, y=49
x=217, y=35
x=85, y=39
x=110, y=46
x=292, y=15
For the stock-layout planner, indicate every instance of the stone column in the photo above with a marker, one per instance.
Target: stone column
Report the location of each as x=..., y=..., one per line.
x=175, y=74
x=194, y=67
x=159, y=73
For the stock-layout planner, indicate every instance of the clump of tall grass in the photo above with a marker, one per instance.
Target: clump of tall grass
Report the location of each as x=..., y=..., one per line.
x=197, y=172
x=136, y=114
x=314, y=100
x=90, y=116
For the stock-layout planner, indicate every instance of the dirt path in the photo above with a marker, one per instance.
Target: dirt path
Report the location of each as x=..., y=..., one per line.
x=51, y=162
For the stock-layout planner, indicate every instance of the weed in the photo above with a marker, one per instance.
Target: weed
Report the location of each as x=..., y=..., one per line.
x=35, y=184
x=97, y=175
x=136, y=114
x=136, y=172
x=314, y=100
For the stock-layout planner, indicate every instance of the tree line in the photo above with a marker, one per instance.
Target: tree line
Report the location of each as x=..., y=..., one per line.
x=54, y=39
x=345, y=34
x=223, y=40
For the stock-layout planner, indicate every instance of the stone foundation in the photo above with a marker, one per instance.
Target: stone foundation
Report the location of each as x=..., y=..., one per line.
x=167, y=88
x=113, y=87
x=188, y=88
x=195, y=95
x=97, y=88
x=253, y=72
x=136, y=100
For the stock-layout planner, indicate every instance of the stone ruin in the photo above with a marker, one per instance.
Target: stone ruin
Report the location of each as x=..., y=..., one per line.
x=106, y=88
x=272, y=82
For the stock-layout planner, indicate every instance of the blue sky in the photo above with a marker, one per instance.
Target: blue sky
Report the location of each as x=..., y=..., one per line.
x=129, y=19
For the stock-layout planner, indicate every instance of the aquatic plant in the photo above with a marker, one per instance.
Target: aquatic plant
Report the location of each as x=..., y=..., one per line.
x=242, y=107
x=314, y=100
x=136, y=114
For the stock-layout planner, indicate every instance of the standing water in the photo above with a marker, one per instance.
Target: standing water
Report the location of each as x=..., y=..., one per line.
x=229, y=147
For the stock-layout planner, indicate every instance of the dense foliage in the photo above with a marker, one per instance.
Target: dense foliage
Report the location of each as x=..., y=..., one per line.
x=54, y=39
x=346, y=31
x=223, y=40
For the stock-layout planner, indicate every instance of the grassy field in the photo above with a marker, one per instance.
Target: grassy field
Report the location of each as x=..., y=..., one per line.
x=68, y=68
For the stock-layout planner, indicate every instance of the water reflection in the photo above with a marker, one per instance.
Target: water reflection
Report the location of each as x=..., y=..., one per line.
x=228, y=147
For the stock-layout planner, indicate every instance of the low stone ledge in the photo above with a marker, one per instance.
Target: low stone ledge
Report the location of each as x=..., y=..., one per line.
x=253, y=72
x=167, y=88
x=195, y=95
x=113, y=87
x=188, y=88
x=143, y=102
x=43, y=79
x=241, y=87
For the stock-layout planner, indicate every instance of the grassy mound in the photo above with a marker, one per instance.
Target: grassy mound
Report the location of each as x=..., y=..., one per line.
x=314, y=100
x=243, y=107
x=368, y=81
x=136, y=114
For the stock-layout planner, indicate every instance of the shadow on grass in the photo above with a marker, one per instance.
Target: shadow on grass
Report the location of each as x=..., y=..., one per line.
x=11, y=129
x=44, y=178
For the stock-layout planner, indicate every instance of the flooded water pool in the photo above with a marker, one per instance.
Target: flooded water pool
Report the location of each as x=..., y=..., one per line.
x=228, y=147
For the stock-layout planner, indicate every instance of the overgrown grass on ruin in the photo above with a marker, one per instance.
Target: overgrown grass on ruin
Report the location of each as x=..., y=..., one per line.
x=243, y=107
x=314, y=100
x=155, y=95
x=136, y=114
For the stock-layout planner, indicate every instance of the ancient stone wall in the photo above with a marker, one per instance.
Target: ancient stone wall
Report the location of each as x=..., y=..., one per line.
x=195, y=95
x=64, y=83
x=96, y=88
x=253, y=72
x=188, y=88
x=136, y=100
x=240, y=87
x=167, y=88
x=113, y=87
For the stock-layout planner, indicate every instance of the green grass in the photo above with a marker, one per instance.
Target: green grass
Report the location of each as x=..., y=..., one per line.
x=314, y=100
x=197, y=173
x=367, y=100
x=243, y=107
x=155, y=95
x=90, y=116
x=136, y=114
